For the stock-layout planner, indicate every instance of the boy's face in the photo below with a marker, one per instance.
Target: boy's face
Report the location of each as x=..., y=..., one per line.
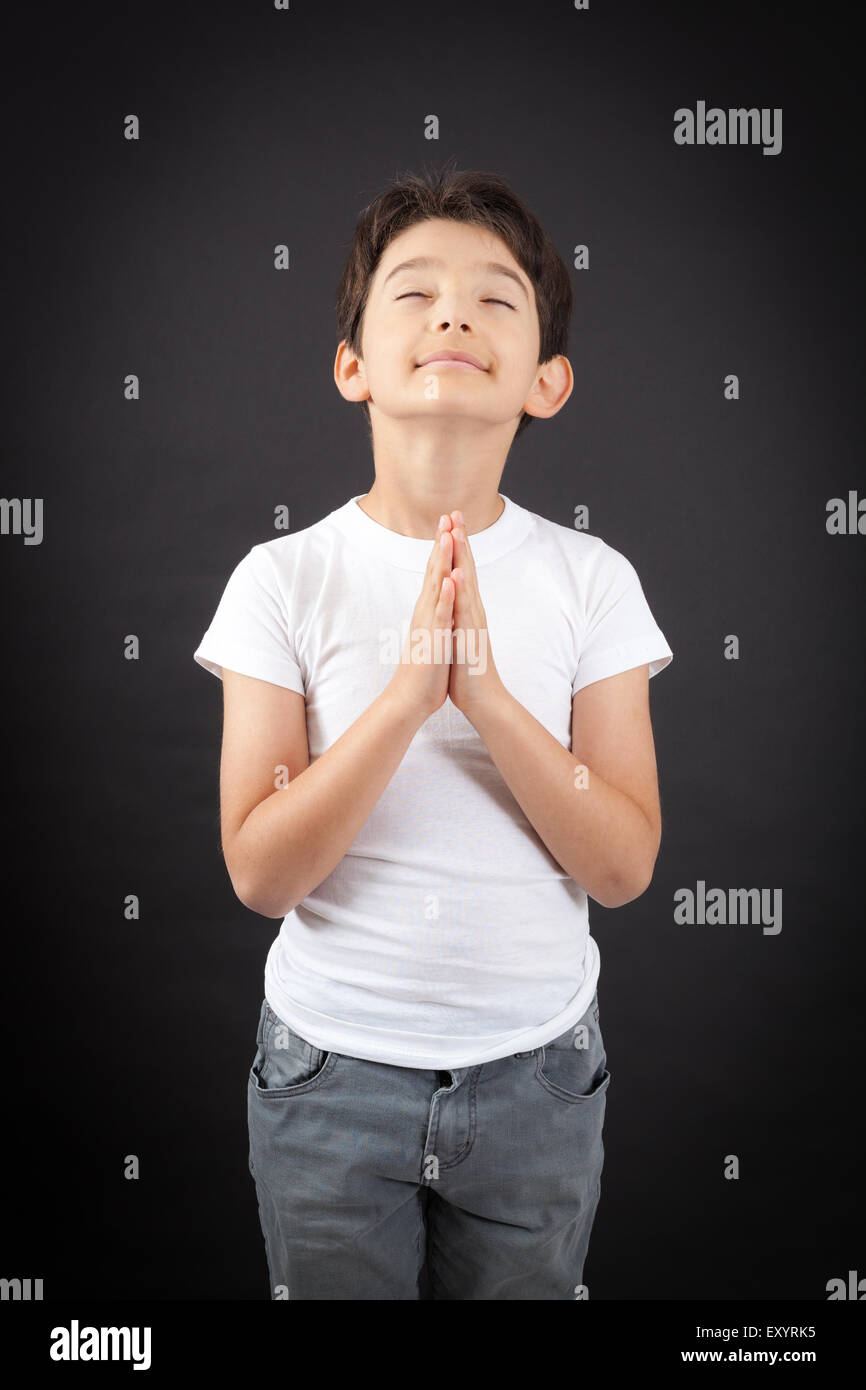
x=461, y=301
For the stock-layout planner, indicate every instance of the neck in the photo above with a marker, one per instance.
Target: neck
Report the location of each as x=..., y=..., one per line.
x=419, y=478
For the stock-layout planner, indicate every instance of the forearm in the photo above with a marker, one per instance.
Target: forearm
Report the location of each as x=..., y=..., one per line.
x=599, y=836
x=292, y=840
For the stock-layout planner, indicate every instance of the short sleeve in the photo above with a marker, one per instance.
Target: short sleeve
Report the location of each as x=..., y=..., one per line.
x=250, y=630
x=620, y=631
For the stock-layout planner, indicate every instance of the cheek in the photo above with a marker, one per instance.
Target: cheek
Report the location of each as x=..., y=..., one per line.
x=513, y=362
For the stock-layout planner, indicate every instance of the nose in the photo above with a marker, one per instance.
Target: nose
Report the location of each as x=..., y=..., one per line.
x=452, y=305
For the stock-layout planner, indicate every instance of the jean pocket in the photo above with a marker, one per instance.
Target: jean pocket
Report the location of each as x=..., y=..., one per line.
x=286, y=1064
x=573, y=1066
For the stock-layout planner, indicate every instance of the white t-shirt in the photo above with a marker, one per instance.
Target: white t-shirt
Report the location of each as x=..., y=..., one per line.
x=447, y=935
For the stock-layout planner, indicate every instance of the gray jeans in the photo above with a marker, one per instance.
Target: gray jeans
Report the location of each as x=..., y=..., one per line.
x=383, y=1182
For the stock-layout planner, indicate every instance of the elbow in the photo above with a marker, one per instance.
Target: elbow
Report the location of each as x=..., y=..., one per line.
x=256, y=901
x=628, y=895
x=247, y=886
x=637, y=875
x=626, y=888
x=613, y=897
x=636, y=885
x=262, y=908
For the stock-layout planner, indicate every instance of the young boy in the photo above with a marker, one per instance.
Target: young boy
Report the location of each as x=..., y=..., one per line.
x=436, y=747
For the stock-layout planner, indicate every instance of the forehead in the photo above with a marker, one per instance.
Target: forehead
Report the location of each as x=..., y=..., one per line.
x=459, y=244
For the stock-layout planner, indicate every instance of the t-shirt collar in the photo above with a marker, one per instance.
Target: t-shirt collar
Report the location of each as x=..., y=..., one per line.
x=411, y=553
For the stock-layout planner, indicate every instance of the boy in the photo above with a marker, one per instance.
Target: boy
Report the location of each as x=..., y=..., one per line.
x=436, y=746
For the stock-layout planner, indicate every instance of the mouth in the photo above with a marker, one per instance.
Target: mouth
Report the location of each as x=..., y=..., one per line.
x=462, y=361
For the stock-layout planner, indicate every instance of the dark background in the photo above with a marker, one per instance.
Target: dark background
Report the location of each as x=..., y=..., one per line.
x=156, y=257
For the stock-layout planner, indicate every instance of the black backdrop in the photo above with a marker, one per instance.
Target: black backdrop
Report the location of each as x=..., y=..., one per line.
x=155, y=257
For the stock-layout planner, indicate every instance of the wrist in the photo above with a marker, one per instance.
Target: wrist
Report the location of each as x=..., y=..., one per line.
x=403, y=709
x=491, y=703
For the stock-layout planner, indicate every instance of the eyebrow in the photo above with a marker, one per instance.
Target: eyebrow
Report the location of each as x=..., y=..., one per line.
x=426, y=262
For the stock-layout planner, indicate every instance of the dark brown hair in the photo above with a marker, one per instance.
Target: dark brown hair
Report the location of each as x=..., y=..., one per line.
x=474, y=196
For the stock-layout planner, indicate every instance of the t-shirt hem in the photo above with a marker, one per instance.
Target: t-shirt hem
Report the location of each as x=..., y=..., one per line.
x=435, y=1052
x=651, y=648
x=248, y=662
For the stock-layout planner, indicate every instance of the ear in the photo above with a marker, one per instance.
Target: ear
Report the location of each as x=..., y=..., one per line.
x=349, y=374
x=553, y=386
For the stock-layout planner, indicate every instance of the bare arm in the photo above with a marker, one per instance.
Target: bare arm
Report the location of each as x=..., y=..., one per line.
x=596, y=808
x=280, y=844
x=296, y=836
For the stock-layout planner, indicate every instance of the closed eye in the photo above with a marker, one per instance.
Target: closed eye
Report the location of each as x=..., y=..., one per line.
x=410, y=293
